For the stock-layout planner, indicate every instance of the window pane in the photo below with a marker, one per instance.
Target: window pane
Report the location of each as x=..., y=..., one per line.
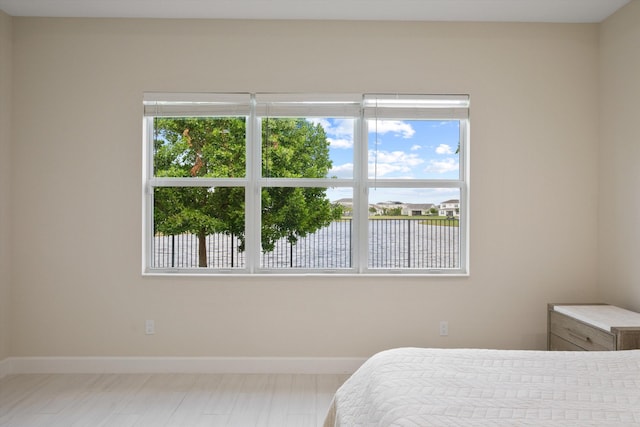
x=198, y=227
x=413, y=149
x=306, y=147
x=414, y=228
x=303, y=228
x=211, y=147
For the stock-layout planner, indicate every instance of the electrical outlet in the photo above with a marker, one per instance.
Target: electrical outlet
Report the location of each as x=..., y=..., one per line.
x=444, y=328
x=149, y=327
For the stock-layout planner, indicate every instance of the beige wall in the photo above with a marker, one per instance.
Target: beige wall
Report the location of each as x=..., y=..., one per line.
x=78, y=84
x=5, y=168
x=619, y=195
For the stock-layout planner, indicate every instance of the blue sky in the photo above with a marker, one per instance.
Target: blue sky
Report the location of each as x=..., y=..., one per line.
x=398, y=149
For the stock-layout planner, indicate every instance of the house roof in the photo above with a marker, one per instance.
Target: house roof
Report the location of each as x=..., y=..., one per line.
x=344, y=201
x=420, y=205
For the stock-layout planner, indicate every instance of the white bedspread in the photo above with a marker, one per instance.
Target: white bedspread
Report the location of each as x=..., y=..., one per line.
x=463, y=387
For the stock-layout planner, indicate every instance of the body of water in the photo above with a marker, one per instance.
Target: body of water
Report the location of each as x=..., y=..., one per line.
x=392, y=243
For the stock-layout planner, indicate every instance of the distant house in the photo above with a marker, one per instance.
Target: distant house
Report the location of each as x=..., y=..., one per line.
x=347, y=206
x=384, y=208
x=390, y=207
x=377, y=209
x=417, y=209
x=450, y=208
x=345, y=202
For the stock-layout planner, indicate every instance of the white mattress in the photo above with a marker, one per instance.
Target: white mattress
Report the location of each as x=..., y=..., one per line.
x=464, y=387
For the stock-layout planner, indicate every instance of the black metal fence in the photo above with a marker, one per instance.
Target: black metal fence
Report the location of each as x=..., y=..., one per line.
x=414, y=243
x=393, y=244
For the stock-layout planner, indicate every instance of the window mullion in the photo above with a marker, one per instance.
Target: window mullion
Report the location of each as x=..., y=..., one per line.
x=361, y=197
x=464, y=195
x=405, y=183
x=253, y=201
x=147, y=194
x=197, y=182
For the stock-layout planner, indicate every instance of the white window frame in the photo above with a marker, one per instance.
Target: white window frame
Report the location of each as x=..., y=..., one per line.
x=255, y=106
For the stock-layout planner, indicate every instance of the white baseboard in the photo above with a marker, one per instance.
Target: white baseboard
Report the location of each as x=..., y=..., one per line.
x=204, y=365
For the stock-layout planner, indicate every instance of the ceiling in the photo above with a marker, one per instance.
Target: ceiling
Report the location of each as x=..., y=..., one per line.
x=568, y=11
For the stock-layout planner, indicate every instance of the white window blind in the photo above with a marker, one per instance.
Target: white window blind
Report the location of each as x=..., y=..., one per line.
x=196, y=104
x=445, y=107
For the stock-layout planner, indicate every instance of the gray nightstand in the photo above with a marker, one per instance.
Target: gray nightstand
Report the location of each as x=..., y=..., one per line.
x=592, y=327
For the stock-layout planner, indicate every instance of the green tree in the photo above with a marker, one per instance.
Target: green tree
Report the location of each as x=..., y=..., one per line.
x=215, y=147
x=392, y=211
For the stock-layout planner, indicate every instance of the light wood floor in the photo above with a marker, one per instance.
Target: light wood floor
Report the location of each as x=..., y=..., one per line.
x=170, y=400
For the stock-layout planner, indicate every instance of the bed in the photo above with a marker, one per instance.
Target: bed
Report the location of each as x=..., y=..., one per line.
x=470, y=387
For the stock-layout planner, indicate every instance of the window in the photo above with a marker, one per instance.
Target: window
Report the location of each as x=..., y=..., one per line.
x=291, y=183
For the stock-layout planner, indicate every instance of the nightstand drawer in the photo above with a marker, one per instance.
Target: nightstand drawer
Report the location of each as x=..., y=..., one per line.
x=558, y=344
x=580, y=334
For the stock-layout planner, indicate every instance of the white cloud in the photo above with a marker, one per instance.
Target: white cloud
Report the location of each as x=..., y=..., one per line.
x=337, y=193
x=397, y=157
x=392, y=162
x=342, y=171
x=395, y=126
x=342, y=128
x=382, y=169
x=416, y=147
x=339, y=133
x=318, y=121
x=443, y=123
x=444, y=149
x=442, y=166
x=340, y=143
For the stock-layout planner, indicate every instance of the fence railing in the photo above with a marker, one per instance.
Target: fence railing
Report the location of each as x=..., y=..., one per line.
x=393, y=243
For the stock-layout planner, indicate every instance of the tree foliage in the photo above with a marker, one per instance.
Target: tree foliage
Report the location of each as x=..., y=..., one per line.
x=392, y=211
x=216, y=147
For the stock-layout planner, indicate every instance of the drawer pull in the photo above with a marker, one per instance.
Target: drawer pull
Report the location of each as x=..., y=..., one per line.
x=579, y=336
